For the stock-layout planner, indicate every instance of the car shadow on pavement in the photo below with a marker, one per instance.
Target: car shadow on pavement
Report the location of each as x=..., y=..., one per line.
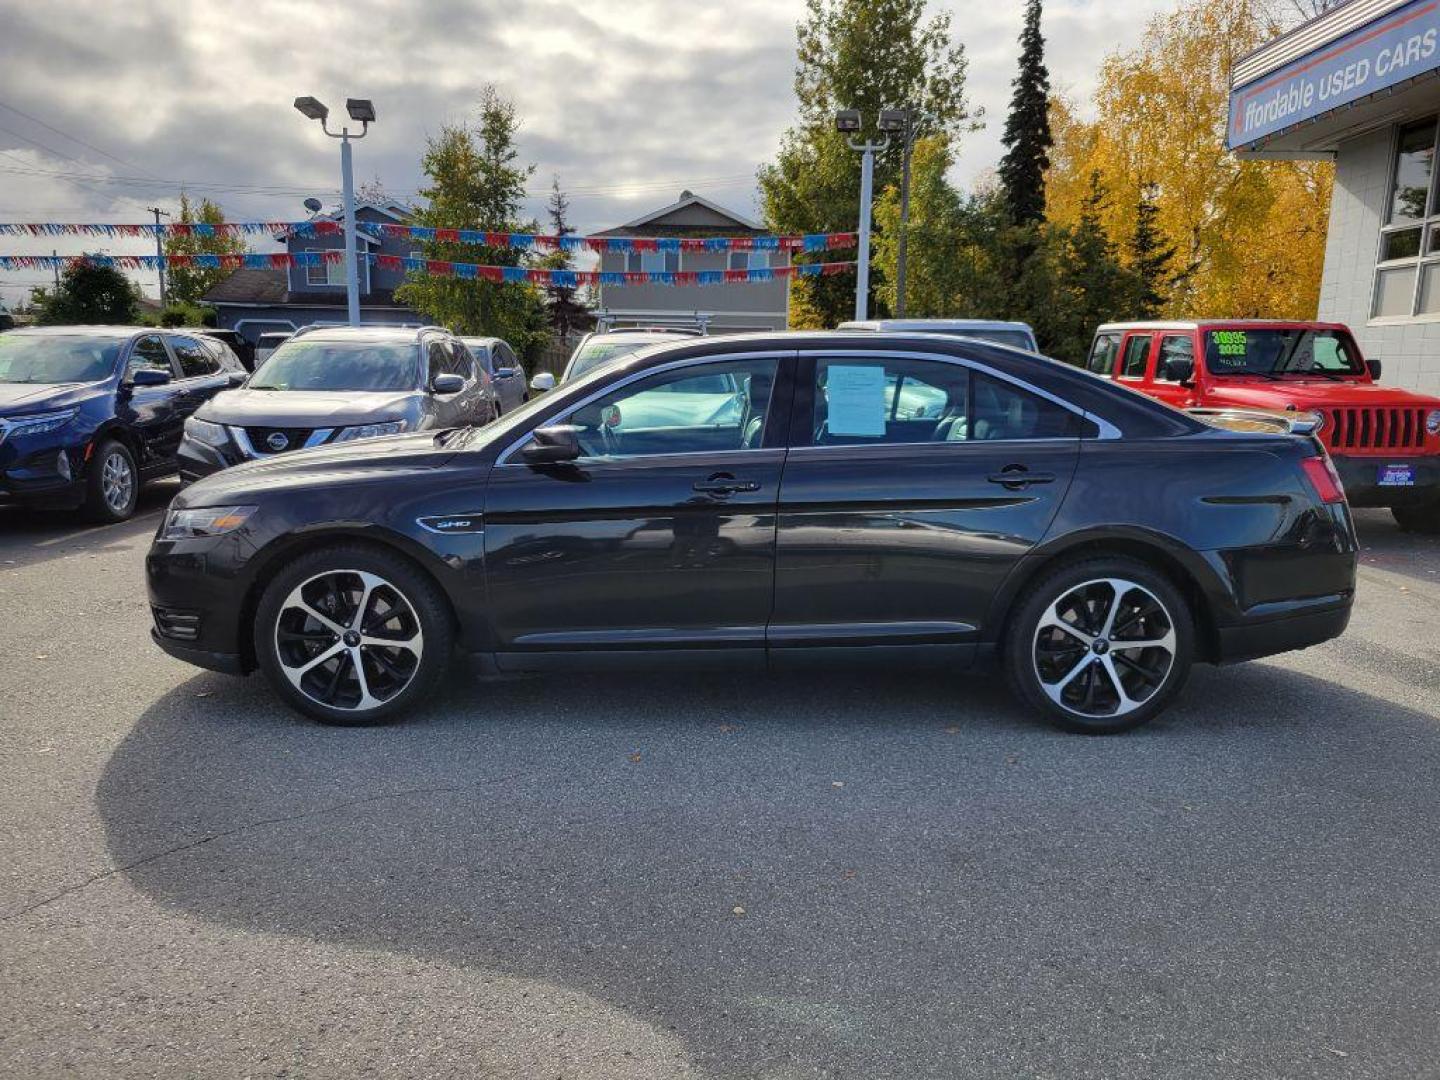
x=31, y=536
x=836, y=871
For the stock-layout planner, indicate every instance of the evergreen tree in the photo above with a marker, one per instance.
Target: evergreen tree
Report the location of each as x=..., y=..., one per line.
x=187, y=284
x=866, y=55
x=566, y=314
x=88, y=294
x=1095, y=286
x=476, y=183
x=1150, y=257
x=1027, y=136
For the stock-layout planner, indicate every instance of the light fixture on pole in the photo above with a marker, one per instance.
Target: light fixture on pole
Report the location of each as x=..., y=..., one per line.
x=848, y=122
x=362, y=111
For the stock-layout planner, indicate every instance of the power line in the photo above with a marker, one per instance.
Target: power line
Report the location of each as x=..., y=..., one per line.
x=72, y=138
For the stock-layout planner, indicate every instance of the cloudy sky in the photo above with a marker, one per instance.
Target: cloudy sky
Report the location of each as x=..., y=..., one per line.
x=107, y=108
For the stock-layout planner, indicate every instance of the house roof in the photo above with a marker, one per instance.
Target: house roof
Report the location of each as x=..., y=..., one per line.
x=250, y=287
x=653, y=221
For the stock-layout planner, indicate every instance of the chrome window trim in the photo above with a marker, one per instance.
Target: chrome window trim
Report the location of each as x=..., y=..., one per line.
x=242, y=440
x=674, y=365
x=1107, y=430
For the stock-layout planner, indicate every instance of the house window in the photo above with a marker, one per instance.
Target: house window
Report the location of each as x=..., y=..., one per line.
x=330, y=273
x=749, y=260
x=652, y=262
x=1407, y=275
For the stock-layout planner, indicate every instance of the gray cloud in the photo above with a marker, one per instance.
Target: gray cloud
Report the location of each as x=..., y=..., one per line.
x=627, y=101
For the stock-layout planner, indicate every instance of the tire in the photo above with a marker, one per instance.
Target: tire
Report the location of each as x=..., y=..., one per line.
x=1069, y=675
x=312, y=607
x=112, y=487
x=1424, y=518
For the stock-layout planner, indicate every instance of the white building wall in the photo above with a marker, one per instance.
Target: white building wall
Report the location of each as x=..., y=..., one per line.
x=1409, y=348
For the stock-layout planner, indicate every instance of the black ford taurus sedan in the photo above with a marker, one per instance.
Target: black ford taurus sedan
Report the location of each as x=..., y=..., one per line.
x=772, y=500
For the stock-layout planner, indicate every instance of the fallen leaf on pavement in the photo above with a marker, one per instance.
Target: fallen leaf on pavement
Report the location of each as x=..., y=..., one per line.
x=635, y=757
x=737, y=910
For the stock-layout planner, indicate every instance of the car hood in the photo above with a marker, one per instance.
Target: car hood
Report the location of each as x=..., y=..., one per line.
x=384, y=457
x=1317, y=394
x=20, y=399
x=306, y=408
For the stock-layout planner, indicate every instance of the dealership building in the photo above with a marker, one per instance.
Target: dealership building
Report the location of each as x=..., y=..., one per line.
x=1360, y=85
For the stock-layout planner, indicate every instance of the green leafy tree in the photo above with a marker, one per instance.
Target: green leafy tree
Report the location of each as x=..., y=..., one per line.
x=1094, y=285
x=1150, y=257
x=1027, y=135
x=88, y=294
x=866, y=55
x=187, y=284
x=476, y=182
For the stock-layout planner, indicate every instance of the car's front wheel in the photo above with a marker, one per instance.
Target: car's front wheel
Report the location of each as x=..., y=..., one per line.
x=113, y=484
x=353, y=634
x=1100, y=645
x=1424, y=518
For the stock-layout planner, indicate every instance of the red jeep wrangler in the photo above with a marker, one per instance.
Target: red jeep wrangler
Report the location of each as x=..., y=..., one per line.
x=1385, y=442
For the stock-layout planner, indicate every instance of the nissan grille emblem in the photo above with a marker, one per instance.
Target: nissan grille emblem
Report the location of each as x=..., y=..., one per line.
x=277, y=441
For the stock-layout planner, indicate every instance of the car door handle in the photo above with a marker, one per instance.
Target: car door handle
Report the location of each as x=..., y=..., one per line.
x=1016, y=477
x=724, y=484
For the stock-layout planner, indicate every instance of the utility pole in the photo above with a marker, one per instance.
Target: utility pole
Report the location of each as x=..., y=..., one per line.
x=159, y=248
x=847, y=122
x=904, y=215
x=55, y=255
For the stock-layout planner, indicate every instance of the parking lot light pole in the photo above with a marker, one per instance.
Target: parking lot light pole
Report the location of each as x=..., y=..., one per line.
x=902, y=122
x=362, y=111
x=848, y=121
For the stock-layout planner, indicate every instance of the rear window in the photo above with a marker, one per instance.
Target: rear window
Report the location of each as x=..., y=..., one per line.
x=1279, y=352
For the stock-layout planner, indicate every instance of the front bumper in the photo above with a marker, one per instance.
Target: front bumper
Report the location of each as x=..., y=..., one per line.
x=197, y=459
x=197, y=594
x=31, y=473
x=229, y=663
x=1361, y=477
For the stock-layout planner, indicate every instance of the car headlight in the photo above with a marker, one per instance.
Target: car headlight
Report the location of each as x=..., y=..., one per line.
x=370, y=431
x=1432, y=422
x=204, y=521
x=206, y=432
x=40, y=423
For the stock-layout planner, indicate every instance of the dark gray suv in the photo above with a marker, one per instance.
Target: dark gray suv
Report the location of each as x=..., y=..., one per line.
x=335, y=384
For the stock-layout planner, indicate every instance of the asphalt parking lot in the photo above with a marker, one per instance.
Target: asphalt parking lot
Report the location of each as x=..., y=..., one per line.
x=826, y=875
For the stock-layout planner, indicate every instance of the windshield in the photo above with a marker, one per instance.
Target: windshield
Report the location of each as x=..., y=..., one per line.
x=594, y=353
x=1280, y=352
x=339, y=365
x=57, y=359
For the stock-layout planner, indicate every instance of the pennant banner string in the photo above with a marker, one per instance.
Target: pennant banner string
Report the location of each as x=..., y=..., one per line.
x=521, y=241
x=433, y=268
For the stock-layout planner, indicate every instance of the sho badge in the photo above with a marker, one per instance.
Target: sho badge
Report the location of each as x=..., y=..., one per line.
x=452, y=523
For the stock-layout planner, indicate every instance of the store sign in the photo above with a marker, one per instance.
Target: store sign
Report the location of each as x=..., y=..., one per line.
x=1403, y=44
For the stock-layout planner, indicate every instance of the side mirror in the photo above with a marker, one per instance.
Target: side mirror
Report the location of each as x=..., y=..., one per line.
x=447, y=384
x=149, y=377
x=237, y=378
x=1180, y=369
x=1375, y=369
x=542, y=381
x=551, y=445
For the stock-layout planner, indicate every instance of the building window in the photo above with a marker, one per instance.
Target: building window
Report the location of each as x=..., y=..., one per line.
x=749, y=260
x=652, y=262
x=330, y=273
x=1407, y=278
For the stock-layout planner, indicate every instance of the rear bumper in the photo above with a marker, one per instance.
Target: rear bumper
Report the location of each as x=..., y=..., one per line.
x=1304, y=623
x=1361, y=477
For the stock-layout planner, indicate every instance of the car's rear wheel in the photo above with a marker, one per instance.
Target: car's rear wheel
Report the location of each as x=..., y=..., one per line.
x=1424, y=518
x=113, y=485
x=1100, y=645
x=353, y=635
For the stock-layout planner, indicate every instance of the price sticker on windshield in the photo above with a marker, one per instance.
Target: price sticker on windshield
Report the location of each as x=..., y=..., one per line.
x=1230, y=343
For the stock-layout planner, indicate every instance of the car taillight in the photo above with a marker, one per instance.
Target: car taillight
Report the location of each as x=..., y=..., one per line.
x=1325, y=481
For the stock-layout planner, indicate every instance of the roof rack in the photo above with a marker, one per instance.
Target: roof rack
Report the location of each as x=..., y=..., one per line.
x=607, y=319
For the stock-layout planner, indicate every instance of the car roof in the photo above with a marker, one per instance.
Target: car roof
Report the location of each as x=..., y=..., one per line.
x=481, y=338
x=368, y=333
x=88, y=331
x=1203, y=324
x=641, y=335
x=924, y=324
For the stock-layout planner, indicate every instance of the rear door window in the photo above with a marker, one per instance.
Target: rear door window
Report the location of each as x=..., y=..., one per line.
x=1137, y=355
x=195, y=360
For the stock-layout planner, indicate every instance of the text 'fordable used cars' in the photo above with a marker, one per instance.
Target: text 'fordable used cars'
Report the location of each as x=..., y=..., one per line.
x=772, y=500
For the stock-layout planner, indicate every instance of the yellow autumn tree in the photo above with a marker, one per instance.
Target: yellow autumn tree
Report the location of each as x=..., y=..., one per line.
x=1249, y=236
